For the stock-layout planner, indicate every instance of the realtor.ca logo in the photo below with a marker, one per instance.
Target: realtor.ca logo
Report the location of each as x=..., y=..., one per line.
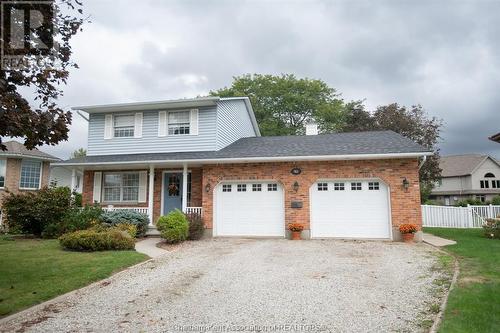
x=27, y=36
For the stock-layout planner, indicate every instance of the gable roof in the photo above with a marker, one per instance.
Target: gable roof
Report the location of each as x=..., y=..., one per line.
x=461, y=165
x=17, y=149
x=355, y=145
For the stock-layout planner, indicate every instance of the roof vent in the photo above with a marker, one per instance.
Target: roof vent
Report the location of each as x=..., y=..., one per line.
x=312, y=129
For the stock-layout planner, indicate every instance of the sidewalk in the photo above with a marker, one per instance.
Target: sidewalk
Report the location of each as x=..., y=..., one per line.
x=148, y=247
x=437, y=241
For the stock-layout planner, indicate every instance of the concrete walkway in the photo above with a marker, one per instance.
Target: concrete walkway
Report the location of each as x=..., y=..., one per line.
x=148, y=247
x=437, y=241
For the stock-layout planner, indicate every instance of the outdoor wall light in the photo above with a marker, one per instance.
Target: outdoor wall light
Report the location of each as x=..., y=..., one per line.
x=295, y=186
x=406, y=184
x=207, y=188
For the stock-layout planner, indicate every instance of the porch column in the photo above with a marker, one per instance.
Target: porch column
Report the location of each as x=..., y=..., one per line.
x=151, y=191
x=184, y=187
x=73, y=180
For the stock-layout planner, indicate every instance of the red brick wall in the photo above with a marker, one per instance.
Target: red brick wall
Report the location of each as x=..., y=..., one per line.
x=405, y=204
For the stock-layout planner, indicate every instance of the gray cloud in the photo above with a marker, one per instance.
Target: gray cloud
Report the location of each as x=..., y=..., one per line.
x=442, y=55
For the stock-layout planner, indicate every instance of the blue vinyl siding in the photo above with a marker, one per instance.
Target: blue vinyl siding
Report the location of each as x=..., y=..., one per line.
x=150, y=141
x=233, y=122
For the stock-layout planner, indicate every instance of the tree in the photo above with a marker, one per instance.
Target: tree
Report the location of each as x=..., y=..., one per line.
x=45, y=122
x=413, y=123
x=284, y=104
x=80, y=152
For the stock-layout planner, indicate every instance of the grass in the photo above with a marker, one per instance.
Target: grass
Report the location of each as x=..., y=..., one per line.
x=474, y=303
x=34, y=270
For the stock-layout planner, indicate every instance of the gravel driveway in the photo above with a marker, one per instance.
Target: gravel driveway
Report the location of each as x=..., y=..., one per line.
x=343, y=286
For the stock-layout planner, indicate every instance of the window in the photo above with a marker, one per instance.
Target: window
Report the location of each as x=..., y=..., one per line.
x=272, y=187
x=226, y=188
x=3, y=167
x=373, y=186
x=257, y=187
x=356, y=186
x=484, y=183
x=121, y=187
x=178, y=122
x=489, y=175
x=481, y=197
x=30, y=175
x=242, y=187
x=338, y=186
x=322, y=186
x=124, y=126
x=495, y=183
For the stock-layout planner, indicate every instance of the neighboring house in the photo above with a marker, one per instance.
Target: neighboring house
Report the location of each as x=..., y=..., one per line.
x=22, y=169
x=467, y=177
x=64, y=176
x=495, y=137
x=206, y=155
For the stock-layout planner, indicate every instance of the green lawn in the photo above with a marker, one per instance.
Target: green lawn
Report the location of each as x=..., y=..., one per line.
x=474, y=304
x=33, y=271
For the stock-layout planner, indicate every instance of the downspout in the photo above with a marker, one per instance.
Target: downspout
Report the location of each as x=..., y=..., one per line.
x=422, y=162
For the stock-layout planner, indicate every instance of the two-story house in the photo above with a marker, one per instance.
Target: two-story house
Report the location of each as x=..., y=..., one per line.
x=22, y=169
x=206, y=155
x=468, y=176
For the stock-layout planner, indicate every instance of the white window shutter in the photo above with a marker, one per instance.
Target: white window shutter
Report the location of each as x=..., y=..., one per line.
x=193, y=130
x=162, y=123
x=143, y=181
x=138, y=125
x=97, y=187
x=108, y=126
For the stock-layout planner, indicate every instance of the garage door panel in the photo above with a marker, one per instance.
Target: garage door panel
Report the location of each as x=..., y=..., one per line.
x=249, y=213
x=350, y=213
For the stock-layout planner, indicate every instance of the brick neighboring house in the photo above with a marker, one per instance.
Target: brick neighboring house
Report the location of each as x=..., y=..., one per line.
x=206, y=155
x=22, y=169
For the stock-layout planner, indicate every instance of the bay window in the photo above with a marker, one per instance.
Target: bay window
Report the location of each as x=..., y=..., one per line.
x=121, y=187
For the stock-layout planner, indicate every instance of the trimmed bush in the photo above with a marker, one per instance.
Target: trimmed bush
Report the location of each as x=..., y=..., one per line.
x=130, y=229
x=196, y=226
x=95, y=240
x=117, y=217
x=174, y=226
x=496, y=200
x=75, y=219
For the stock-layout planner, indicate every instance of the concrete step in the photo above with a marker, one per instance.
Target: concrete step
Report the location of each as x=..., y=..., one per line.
x=152, y=232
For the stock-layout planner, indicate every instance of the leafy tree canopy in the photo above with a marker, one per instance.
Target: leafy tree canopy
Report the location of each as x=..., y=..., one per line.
x=80, y=152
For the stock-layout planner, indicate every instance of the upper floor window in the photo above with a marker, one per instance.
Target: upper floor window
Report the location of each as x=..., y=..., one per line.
x=30, y=175
x=121, y=187
x=484, y=183
x=489, y=175
x=179, y=122
x=124, y=126
x=3, y=167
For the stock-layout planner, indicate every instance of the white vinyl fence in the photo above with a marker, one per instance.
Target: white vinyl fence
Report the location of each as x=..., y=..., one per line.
x=457, y=217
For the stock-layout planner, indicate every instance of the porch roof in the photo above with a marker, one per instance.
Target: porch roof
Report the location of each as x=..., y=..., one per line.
x=339, y=146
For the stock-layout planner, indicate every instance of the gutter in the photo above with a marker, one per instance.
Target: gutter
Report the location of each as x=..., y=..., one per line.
x=48, y=159
x=259, y=159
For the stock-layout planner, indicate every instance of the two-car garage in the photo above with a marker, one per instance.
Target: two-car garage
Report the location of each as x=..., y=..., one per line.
x=338, y=208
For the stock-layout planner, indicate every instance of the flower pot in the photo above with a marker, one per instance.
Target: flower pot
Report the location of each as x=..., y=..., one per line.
x=408, y=238
x=295, y=235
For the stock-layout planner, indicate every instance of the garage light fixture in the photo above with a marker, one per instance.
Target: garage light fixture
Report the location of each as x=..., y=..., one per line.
x=406, y=184
x=295, y=186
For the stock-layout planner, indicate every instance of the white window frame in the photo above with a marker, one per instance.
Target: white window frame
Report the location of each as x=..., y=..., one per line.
x=373, y=186
x=356, y=186
x=241, y=187
x=179, y=125
x=339, y=186
x=3, y=171
x=39, y=177
x=272, y=187
x=322, y=187
x=132, y=126
x=256, y=187
x=103, y=187
x=227, y=188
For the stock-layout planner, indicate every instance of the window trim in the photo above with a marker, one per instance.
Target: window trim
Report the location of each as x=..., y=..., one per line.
x=3, y=170
x=39, y=178
x=168, y=122
x=133, y=125
x=356, y=186
x=103, y=201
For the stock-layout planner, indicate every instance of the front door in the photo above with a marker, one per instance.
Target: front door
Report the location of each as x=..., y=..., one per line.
x=172, y=192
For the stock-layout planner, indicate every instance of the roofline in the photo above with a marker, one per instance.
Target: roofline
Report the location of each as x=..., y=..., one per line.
x=154, y=105
x=43, y=158
x=261, y=159
x=495, y=137
x=251, y=114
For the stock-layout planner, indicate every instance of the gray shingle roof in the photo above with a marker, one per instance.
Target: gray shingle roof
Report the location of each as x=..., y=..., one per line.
x=15, y=148
x=460, y=165
x=355, y=143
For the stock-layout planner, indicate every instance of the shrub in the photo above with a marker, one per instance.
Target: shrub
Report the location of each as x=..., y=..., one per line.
x=174, y=226
x=117, y=217
x=196, y=226
x=496, y=200
x=492, y=228
x=32, y=212
x=95, y=240
x=408, y=228
x=75, y=219
x=472, y=202
x=130, y=229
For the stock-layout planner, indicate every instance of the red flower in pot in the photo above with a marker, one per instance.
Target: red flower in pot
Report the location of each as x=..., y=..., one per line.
x=296, y=229
x=408, y=230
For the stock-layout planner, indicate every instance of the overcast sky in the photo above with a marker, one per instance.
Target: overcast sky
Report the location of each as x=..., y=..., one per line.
x=441, y=54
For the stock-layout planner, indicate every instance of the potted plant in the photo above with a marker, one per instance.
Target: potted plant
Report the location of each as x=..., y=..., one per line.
x=296, y=229
x=408, y=230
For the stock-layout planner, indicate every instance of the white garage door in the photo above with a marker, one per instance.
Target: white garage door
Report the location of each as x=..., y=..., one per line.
x=350, y=209
x=249, y=209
